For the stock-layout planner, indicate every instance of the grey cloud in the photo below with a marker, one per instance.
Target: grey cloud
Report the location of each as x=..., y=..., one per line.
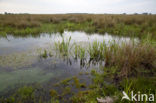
x=80, y=6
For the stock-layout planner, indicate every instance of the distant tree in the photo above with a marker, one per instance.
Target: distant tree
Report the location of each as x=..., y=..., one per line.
x=150, y=14
x=5, y=13
x=135, y=13
x=145, y=13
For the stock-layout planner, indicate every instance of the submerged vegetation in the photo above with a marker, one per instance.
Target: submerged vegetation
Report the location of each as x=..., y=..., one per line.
x=128, y=66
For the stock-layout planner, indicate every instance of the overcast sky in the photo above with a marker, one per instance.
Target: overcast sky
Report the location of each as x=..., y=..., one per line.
x=77, y=6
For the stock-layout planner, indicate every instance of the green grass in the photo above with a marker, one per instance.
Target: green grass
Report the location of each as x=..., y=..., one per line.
x=79, y=52
x=44, y=55
x=63, y=46
x=96, y=51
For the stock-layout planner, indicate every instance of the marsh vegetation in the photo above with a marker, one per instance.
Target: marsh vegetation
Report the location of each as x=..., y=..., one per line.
x=124, y=25
x=109, y=54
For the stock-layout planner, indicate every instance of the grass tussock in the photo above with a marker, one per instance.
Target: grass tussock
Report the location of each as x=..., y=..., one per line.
x=131, y=58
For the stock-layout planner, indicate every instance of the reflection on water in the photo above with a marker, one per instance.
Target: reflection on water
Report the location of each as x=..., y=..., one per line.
x=18, y=65
x=17, y=44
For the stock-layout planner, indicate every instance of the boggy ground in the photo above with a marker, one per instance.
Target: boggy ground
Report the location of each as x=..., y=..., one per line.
x=128, y=67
